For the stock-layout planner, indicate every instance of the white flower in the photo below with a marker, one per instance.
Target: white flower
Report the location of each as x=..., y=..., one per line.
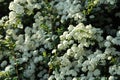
x=54, y=51
x=36, y=59
x=77, y=55
x=91, y=67
x=91, y=78
x=10, y=31
x=111, y=78
x=19, y=1
x=12, y=15
x=46, y=40
x=77, y=16
x=63, y=18
x=28, y=30
x=20, y=38
x=65, y=61
x=83, y=78
x=20, y=26
x=60, y=46
x=68, y=36
x=28, y=73
x=14, y=36
x=9, y=68
x=11, y=6
x=116, y=41
x=65, y=33
x=54, y=37
x=107, y=44
x=62, y=37
x=97, y=72
x=89, y=27
x=74, y=48
x=84, y=69
x=71, y=41
x=26, y=54
x=16, y=7
x=40, y=58
x=71, y=27
x=70, y=9
x=51, y=77
x=118, y=34
x=109, y=38
x=89, y=74
x=35, y=53
x=112, y=69
x=80, y=26
x=74, y=79
x=24, y=59
x=109, y=57
x=69, y=51
x=73, y=72
x=96, y=1
x=4, y=63
x=37, y=5
x=65, y=43
x=118, y=70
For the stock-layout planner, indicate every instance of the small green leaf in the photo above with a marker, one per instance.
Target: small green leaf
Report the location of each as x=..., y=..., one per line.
x=44, y=54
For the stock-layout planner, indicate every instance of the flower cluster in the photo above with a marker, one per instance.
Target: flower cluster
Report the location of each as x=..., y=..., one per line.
x=74, y=43
x=69, y=9
x=28, y=57
x=59, y=40
x=79, y=61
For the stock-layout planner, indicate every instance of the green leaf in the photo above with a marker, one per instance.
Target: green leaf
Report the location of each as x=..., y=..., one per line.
x=44, y=54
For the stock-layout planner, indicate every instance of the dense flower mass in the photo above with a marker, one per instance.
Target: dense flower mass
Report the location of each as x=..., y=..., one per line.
x=59, y=40
x=78, y=60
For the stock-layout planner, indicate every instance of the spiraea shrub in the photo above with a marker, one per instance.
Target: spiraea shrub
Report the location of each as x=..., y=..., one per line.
x=59, y=40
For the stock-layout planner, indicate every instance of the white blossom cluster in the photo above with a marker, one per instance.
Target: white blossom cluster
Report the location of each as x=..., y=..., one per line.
x=73, y=8
x=77, y=62
x=83, y=52
x=69, y=9
x=30, y=44
x=84, y=36
x=112, y=40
